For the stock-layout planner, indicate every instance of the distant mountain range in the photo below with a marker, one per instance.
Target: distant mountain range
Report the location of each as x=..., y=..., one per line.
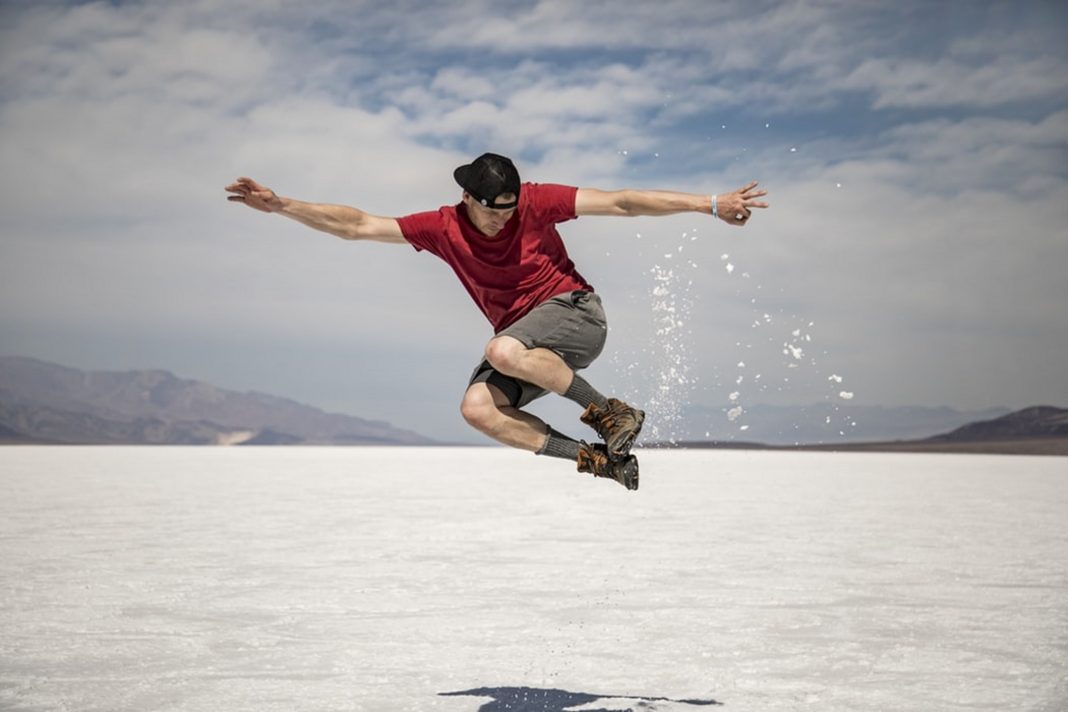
x=1036, y=422
x=43, y=402
x=1039, y=430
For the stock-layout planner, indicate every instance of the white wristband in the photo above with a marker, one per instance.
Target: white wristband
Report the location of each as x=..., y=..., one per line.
x=715, y=212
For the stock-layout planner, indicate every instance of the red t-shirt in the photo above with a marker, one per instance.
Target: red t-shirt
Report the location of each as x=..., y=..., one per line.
x=511, y=273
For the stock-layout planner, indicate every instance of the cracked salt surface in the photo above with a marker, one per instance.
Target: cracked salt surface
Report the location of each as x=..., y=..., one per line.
x=464, y=579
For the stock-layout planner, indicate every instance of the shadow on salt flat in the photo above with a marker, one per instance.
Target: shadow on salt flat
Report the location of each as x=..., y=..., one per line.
x=532, y=699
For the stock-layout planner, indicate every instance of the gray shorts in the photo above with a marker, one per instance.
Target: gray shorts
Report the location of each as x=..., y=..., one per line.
x=571, y=324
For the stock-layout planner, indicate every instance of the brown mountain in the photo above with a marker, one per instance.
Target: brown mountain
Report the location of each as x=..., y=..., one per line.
x=45, y=402
x=1040, y=421
x=1038, y=430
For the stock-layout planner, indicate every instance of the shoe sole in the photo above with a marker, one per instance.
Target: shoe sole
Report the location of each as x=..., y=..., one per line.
x=630, y=479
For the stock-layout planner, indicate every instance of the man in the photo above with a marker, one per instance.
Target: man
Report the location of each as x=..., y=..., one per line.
x=502, y=243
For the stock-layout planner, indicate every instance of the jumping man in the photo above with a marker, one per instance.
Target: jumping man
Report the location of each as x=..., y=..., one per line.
x=548, y=323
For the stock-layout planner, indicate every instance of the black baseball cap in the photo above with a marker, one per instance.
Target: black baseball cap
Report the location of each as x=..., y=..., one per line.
x=488, y=176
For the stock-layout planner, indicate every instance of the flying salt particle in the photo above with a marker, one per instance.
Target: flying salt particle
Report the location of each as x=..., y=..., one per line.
x=845, y=395
x=796, y=332
x=730, y=268
x=835, y=377
x=744, y=427
x=767, y=126
x=741, y=364
x=795, y=351
x=837, y=185
x=793, y=149
x=734, y=396
x=724, y=257
x=734, y=413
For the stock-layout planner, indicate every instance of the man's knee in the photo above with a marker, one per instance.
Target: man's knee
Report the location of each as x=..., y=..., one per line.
x=478, y=408
x=504, y=353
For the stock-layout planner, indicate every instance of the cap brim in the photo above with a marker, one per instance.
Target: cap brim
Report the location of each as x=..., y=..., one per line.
x=460, y=174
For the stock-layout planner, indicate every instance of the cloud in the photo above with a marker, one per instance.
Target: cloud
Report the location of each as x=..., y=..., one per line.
x=946, y=83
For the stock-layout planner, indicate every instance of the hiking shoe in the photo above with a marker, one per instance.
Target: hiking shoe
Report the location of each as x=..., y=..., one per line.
x=618, y=425
x=594, y=458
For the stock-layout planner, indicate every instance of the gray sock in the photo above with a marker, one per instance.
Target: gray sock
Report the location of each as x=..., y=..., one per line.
x=584, y=394
x=559, y=445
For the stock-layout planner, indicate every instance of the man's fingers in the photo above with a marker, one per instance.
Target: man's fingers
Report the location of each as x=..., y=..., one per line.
x=250, y=183
x=245, y=184
x=748, y=196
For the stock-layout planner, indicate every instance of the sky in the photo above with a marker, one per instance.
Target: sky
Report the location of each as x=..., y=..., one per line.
x=914, y=153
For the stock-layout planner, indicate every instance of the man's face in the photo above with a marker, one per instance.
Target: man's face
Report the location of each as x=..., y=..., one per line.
x=488, y=220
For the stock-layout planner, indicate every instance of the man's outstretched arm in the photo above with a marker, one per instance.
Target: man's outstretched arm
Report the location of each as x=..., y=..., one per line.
x=733, y=208
x=340, y=220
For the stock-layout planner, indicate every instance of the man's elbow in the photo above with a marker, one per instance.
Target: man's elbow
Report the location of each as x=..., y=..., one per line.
x=625, y=204
x=605, y=202
x=356, y=227
x=371, y=227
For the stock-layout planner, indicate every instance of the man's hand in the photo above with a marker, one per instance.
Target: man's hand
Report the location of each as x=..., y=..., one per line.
x=734, y=208
x=254, y=195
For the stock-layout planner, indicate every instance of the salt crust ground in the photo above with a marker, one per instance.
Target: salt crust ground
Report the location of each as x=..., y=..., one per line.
x=485, y=579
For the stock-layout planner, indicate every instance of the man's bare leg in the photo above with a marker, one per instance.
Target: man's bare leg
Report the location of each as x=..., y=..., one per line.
x=487, y=410
x=542, y=367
